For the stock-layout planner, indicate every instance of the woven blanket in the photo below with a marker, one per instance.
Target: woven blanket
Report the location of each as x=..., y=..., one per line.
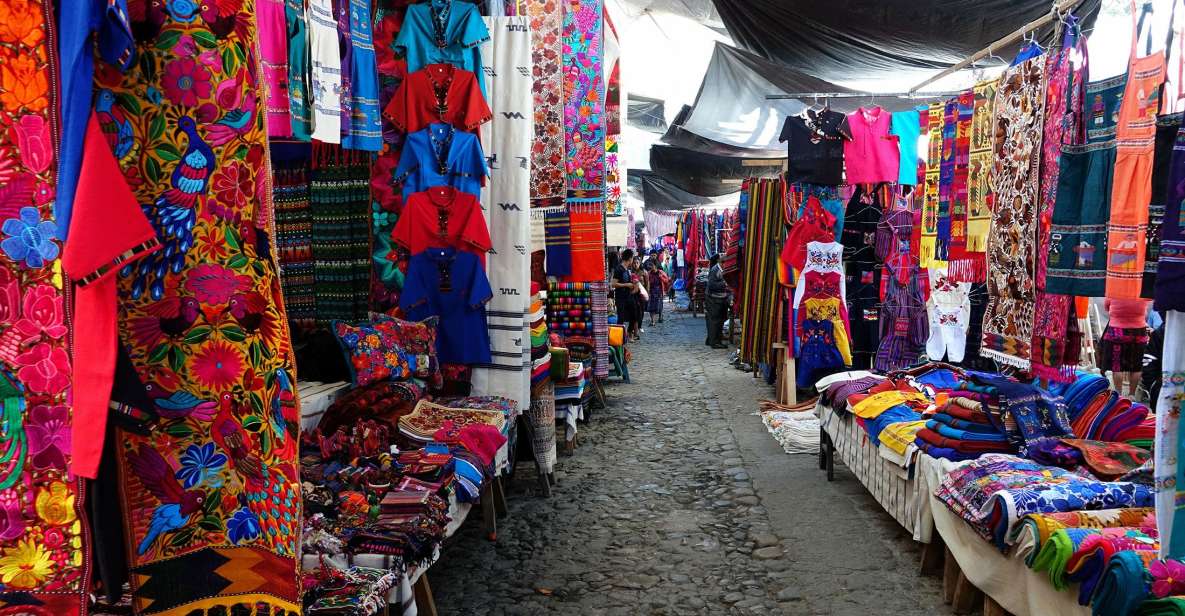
x=957, y=250
x=932, y=187
x=1011, y=248
x=340, y=203
x=294, y=234
x=1090, y=560
x=946, y=184
x=1124, y=584
x=541, y=421
x=584, y=98
x=600, y=314
x=507, y=140
x=759, y=298
x=587, y=224
x=547, y=151
x=558, y=232
x=980, y=194
x=428, y=417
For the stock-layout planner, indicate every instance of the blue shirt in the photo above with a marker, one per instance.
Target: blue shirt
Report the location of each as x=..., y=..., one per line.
x=109, y=20
x=453, y=286
x=906, y=125
x=464, y=30
x=361, y=131
x=424, y=151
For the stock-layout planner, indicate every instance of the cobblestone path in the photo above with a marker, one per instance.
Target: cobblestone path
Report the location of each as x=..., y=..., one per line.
x=659, y=512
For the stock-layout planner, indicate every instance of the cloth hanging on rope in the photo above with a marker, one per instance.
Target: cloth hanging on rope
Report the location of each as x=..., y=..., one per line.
x=557, y=227
x=758, y=289
x=932, y=186
x=587, y=224
x=957, y=246
x=506, y=197
x=1011, y=248
x=972, y=267
x=1170, y=275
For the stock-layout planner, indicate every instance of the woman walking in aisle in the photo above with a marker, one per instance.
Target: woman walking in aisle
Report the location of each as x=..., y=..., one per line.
x=1122, y=348
x=656, y=281
x=624, y=290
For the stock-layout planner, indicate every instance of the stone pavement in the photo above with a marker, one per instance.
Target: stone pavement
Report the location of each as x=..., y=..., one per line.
x=678, y=502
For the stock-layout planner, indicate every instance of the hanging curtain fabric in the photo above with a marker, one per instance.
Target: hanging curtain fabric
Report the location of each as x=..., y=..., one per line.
x=226, y=358
x=964, y=116
x=1057, y=342
x=759, y=293
x=1170, y=473
x=506, y=197
x=547, y=151
x=1012, y=248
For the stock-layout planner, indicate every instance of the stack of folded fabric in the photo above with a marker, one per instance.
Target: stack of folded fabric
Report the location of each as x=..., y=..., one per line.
x=1088, y=563
x=1103, y=459
x=962, y=430
x=898, y=441
x=540, y=356
x=995, y=491
x=356, y=591
x=835, y=389
x=428, y=417
x=1026, y=412
x=1035, y=529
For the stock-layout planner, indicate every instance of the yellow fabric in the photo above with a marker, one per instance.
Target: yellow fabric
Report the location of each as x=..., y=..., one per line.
x=899, y=436
x=616, y=335
x=872, y=406
x=820, y=309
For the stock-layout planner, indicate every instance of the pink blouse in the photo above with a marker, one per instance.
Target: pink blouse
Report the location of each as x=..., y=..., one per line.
x=871, y=155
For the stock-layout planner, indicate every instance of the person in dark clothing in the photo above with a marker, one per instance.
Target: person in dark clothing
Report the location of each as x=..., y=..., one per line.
x=625, y=289
x=716, y=304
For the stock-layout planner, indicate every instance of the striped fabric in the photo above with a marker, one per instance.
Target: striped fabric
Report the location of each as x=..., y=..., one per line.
x=340, y=205
x=760, y=298
x=600, y=309
x=294, y=233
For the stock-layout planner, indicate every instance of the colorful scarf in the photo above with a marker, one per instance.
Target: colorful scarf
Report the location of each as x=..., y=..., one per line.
x=294, y=232
x=340, y=203
x=584, y=99
x=946, y=181
x=212, y=497
x=1012, y=249
x=507, y=139
x=547, y=151
x=1056, y=342
x=587, y=222
x=932, y=197
x=957, y=251
x=758, y=289
x=980, y=195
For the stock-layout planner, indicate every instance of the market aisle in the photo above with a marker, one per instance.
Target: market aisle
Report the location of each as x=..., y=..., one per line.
x=678, y=502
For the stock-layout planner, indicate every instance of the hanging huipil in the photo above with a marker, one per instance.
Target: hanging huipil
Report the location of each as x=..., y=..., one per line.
x=949, y=311
x=273, y=59
x=1132, y=183
x=299, y=100
x=360, y=128
x=1057, y=342
x=904, y=326
x=326, y=74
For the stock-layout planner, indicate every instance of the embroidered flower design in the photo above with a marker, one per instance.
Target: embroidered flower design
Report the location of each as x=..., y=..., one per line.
x=234, y=186
x=20, y=22
x=186, y=82
x=200, y=464
x=1168, y=577
x=218, y=366
x=30, y=239
x=34, y=141
x=44, y=369
x=55, y=504
x=23, y=85
x=243, y=526
x=48, y=428
x=25, y=565
x=12, y=520
x=42, y=313
x=10, y=297
x=213, y=285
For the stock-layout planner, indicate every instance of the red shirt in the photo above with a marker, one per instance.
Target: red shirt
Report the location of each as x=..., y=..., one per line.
x=438, y=93
x=442, y=217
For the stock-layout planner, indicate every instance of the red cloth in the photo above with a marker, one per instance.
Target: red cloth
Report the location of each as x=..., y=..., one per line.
x=816, y=225
x=483, y=440
x=108, y=230
x=1127, y=313
x=938, y=440
x=418, y=101
x=442, y=217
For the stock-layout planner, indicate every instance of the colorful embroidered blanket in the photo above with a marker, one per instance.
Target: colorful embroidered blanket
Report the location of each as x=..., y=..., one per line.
x=212, y=495
x=933, y=181
x=965, y=109
x=1012, y=249
x=980, y=195
x=548, y=150
x=587, y=222
x=557, y=227
x=584, y=99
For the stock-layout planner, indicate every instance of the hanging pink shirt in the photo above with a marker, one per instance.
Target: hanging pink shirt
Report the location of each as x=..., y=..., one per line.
x=273, y=48
x=871, y=155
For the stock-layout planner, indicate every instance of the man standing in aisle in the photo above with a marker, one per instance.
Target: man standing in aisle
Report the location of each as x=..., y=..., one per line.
x=716, y=304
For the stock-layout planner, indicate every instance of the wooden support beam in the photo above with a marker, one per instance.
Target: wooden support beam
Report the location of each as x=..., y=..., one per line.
x=950, y=575
x=425, y=603
x=991, y=608
x=933, y=555
x=967, y=596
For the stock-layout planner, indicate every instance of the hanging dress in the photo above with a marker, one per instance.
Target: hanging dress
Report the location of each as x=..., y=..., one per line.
x=904, y=325
x=360, y=124
x=949, y=311
x=1131, y=194
x=326, y=71
x=299, y=98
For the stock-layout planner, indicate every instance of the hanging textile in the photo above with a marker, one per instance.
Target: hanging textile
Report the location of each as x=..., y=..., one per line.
x=273, y=60
x=1135, y=137
x=614, y=172
x=212, y=500
x=949, y=310
x=1012, y=249
x=1167, y=127
x=584, y=100
x=587, y=243
x=388, y=262
x=861, y=219
x=339, y=189
x=547, y=151
x=600, y=313
x=1056, y=344
x=299, y=98
x=933, y=181
x=1170, y=473
x=506, y=197
x=980, y=196
x=759, y=298
x=294, y=235
x=47, y=555
x=946, y=182
x=360, y=120
x=1078, y=232
x=964, y=115
x=558, y=229
x=1170, y=275
x=325, y=72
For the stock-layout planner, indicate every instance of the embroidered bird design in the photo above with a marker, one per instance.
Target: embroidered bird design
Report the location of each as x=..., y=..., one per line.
x=177, y=506
x=116, y=127
x=174, y=213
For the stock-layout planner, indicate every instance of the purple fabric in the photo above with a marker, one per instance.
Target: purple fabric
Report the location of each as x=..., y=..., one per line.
x=838, y=393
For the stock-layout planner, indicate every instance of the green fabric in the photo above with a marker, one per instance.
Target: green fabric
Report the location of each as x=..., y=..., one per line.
x=1169, y=606
x=1053, y=558
x=1124, y=585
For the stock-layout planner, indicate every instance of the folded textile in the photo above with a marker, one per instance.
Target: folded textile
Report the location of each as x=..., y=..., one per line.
x=1089, y=562
x=962, y=424
x=897, y=437
x=1124, y=585
x=1053, y=452
x=967, y=447
x=965, y=435
x=945, y=452
x=1168, y=606
x=837, y=393
x=1109, y=460
x=429, y=417
x=995, y=491
x=897, y=414
x=1056, y=552
x=879, y=402
x=965, y=409
x=1036, y=412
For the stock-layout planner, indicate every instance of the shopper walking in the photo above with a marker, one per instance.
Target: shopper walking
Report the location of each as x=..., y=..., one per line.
x=716, y=304
x=624, y=290
x=656, y=285
x=1122, y=348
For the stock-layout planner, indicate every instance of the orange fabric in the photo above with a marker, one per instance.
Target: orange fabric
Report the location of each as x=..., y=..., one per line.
x=108, y=230
x=1131, y=191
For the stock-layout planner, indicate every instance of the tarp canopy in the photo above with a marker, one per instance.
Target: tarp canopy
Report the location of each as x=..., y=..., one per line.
x=659, y=194
x=732, y=107
x=860, y=39
x=646, y=113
